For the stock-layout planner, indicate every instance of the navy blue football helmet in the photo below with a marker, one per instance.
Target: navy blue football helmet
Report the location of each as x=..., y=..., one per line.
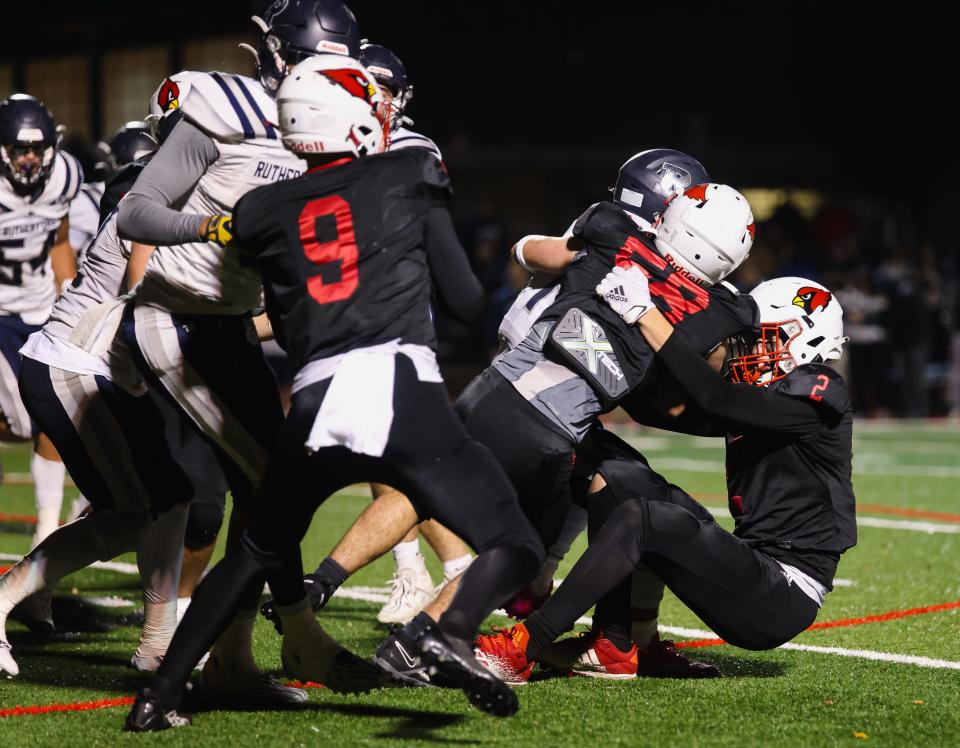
x=650, y=178
x=387, y=69
x=29, y=137
x=293, y=30
x=131, y=142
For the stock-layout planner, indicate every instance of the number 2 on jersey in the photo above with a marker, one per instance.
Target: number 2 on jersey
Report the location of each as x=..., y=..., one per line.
x=821, y=386
x=341, y=249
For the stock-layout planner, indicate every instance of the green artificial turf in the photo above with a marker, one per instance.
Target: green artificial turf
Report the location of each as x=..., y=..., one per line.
x=784, y=698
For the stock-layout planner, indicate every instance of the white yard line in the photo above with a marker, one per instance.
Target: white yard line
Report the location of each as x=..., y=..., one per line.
x=907, y=524
x=123, y=568
x=381, y=594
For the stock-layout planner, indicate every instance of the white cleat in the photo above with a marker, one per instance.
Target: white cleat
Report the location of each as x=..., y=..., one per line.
x=412, y=591
x=319, y=658
x=239, y=683
x=8, y=665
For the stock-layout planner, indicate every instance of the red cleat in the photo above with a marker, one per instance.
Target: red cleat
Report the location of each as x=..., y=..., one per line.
x=525, y=602
x=660, y=659
x=503, y=653
x=603, y=660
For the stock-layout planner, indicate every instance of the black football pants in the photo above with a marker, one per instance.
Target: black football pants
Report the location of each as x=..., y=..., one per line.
x=737, y=590
x=428, y=456
x=536, y=457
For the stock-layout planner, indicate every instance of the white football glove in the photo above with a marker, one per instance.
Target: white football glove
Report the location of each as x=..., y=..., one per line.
x=627, y=292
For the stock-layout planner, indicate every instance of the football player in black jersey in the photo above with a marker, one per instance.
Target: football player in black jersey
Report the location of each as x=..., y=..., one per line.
x=348, y=254
x=788, y=425
x=534, y=404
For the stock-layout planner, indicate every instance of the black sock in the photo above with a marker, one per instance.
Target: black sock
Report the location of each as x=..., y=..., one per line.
x=541, y=635
x=612, y=615
x=619, y=635
x=416, y=627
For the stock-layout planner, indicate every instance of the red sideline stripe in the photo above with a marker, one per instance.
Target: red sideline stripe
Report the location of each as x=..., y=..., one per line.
x=902, y=512
x=83, y=706
x=891, y=616
x=880, y=617
x=864, y=508
x=25, y=519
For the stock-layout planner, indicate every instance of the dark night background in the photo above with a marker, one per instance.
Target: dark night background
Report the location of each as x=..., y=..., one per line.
x=535, y=105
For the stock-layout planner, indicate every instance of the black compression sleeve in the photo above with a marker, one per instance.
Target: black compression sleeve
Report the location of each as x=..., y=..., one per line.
x=455, y=282
x=692, y=421
x=741, y=405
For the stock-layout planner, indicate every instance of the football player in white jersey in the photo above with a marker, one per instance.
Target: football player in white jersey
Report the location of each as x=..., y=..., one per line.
x=37, y=184
x=189, y=326
x=84, y=390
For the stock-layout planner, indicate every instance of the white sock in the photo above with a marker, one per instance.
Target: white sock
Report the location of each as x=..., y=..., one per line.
x=456, y=566
x=159, y=559
x=405, y=554
x=48, y=478
x=236, y=642
x=182, y=604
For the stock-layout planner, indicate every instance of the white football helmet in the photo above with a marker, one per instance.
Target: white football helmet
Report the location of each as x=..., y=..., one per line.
x=801, y=322
x=331, y=104
x=706, y=232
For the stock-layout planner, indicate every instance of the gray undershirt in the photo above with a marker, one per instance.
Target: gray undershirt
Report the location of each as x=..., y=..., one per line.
x=558, y=392
x=149, y=212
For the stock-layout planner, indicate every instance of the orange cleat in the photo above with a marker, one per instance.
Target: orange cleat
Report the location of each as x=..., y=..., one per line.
x=503, y=653
x=604, y=660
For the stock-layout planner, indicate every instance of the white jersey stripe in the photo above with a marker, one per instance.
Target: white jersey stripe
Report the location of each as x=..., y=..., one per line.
x=160, y=345
x=103, y=438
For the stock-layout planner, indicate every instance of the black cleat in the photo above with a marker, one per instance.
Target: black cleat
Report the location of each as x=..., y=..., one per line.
x=453, y=658
x=398, y=656
x=148, y=715
x=351, y=674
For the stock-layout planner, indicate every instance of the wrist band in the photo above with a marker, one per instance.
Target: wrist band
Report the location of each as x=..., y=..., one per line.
x=518, y=251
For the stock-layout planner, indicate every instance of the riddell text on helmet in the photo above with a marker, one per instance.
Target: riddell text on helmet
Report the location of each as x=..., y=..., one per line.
x=314, y=147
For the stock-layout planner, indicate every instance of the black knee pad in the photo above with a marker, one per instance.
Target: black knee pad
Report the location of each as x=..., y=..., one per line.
x=633, y=479
x=203, y=523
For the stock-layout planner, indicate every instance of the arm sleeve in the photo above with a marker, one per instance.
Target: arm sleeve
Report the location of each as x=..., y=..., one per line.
x=455, y=282
x=740, y=405
x=145, y=214
x=692, y=421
